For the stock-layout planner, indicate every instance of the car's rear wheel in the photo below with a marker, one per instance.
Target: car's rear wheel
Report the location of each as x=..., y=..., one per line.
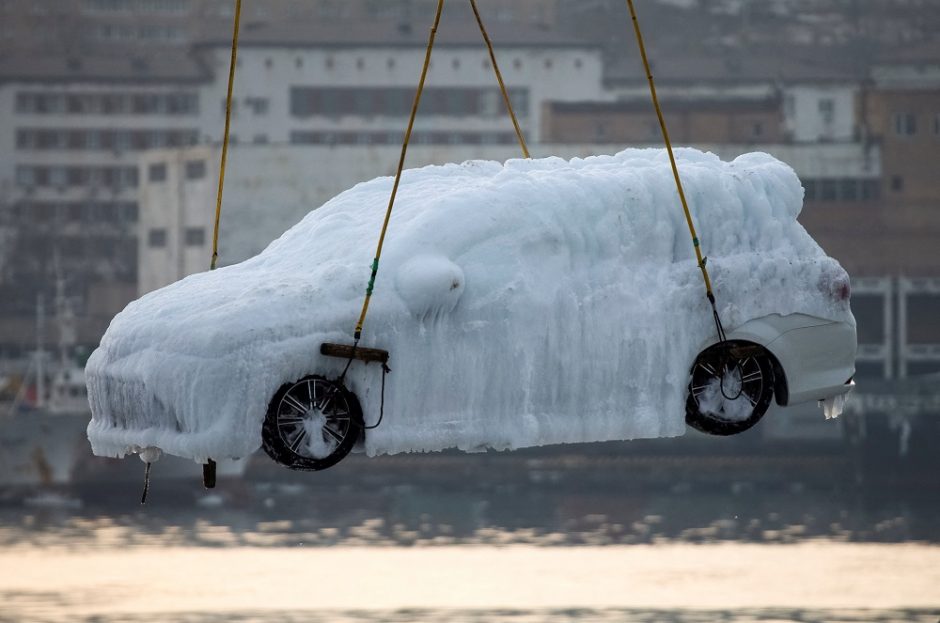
x=311, y=424
x=731, y=388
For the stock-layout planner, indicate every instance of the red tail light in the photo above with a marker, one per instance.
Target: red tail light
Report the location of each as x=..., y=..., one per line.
x=842, y=289
x=839, y=287
x=836, y=285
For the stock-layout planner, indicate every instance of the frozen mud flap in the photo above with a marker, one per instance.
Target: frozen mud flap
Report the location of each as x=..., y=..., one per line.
x=834, y=405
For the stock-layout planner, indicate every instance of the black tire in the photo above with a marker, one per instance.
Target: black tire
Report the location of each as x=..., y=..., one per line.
x=731, y=388
x=311, y=424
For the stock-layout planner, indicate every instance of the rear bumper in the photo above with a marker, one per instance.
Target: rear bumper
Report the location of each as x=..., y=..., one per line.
x=818, y=361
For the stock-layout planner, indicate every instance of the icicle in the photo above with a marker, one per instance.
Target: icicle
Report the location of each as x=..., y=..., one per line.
x=149, y=456
x=208, y=474
x=143, y=497
x=833, y=407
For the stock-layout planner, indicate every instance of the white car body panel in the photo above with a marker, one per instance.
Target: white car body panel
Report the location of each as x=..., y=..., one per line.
x=817, y=355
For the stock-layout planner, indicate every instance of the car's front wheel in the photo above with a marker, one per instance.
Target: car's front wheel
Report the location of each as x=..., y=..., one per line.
x=311, y=424
x=731, y=388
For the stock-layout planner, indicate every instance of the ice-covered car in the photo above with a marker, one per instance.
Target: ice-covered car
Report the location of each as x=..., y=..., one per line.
x=527, y=303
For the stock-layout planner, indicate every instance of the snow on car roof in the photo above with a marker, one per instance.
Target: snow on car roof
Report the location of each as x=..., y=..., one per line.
x=523, y=303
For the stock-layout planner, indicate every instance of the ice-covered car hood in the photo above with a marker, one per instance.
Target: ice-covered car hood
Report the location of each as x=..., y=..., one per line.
x=535, y=301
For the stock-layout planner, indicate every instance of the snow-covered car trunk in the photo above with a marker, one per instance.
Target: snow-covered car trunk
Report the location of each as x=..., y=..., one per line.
x=526, y=303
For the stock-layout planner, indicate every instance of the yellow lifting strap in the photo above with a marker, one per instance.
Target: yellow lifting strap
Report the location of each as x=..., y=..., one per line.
x=675, y=169
x=404, y=146
x=499, y=79
x=228, y=120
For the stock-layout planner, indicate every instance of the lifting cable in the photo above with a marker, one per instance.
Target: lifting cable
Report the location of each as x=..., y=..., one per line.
x=401, y=165
x=499, y=78
x=404, y=149
x=675, y=173
x=228, y=120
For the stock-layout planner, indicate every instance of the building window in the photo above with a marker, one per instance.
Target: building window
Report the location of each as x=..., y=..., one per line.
x=362, y=103
x=156, y=172
x=387, y=138
x=456, y=63
x=303, y=138
x=107, y=103
x=809, y=190
x=827, y=109
x=25, y=176
x=897, y=183
x=102, y=139
x=757, y=129
x=936, y=124
x=260, y=139
x=59, y=178
x=871, y=190
x=129, y=176
x=578, y=63
x=517, y=63
x=156, y=238
x=848, y=190
x=396, y=102
x=360, y=63
x=79, y=176
x=268, y=63
x=390, y=63
x=490, y=104
x=905, y=124
x=24, y=103
x=195, y=236
x=258, y=105
x=844, y=189
x=520, y=101
x=196, y=169
x=181, y=103
x=298, y=62
x=24, y=139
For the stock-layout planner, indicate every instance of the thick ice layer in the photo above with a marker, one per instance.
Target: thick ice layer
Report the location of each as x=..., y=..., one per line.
x=525, y=303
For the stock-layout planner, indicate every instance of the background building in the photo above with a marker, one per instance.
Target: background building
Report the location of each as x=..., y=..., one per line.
x=76, y=124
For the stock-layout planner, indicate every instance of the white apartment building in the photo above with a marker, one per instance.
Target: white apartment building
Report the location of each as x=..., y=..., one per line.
x=312, y=85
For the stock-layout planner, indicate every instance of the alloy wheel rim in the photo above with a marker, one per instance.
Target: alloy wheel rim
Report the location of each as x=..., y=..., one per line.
x=314, y=418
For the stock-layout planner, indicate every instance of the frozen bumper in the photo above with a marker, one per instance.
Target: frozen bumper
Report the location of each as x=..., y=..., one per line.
x=818, y=361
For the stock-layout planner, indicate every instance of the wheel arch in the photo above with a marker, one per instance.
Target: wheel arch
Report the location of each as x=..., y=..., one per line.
x=763, y=332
